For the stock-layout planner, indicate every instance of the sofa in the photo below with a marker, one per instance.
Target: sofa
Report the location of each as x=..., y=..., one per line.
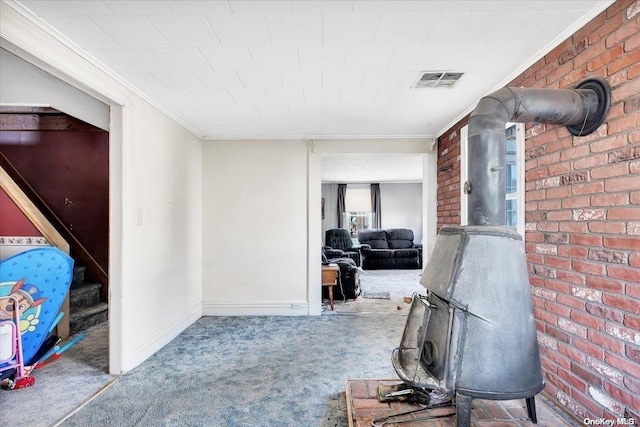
x=340, y=238
x=348, y=281
x=389, y=249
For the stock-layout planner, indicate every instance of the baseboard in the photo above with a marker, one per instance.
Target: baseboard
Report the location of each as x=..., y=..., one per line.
x=166, y=333
x=287, y=308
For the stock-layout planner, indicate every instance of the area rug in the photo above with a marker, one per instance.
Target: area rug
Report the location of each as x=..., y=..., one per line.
x=376, y=295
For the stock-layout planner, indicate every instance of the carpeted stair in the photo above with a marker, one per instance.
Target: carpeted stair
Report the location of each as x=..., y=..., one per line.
x=86, y=308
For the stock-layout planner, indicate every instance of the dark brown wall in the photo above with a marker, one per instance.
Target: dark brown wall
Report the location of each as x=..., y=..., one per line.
x=70, y=171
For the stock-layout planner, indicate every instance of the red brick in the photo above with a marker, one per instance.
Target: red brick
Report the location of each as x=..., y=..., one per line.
x=555, y=262
x=633, y=72
x=605, y=341
x=571, y=277
x=589, y=348
x=574, y=202
x=605, y=284
x=625, y=91
x=624, y=273
x=572, y=379
x=588, y=267
x=626, y=304
x=606, y=312
x=603, y=369
x=610, y=170
x=557, y=334
x=605, y=58
x=634, y=260
x=632, y=322
x=633, y=353
x=590, y=188
x=628, y=243
x=585, y=240
x=586, y=401
x=587, y=375
x=587, y=320
x=607, y=227
x=618, y=140
x=559, y=309
x=633, y=290
x=622, y=364
x=625, y=30
x=566, y=300
x=557, y=192
x=609, y=199
x=622, y=396
x=573, y=227
x=624, y=213
x=618, y=126
x=632, y=384
x=591, y=161
x=548, y=226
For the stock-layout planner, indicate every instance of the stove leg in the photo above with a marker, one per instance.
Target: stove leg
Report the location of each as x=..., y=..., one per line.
x=531, y=409
x=463, y=410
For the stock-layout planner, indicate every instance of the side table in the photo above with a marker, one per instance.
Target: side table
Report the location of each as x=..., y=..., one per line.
x=330, y=278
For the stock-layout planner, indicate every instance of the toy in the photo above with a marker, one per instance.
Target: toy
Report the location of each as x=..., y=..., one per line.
x=33, y=286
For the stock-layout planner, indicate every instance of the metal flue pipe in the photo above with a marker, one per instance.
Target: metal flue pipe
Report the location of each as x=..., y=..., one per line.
x=582, y=110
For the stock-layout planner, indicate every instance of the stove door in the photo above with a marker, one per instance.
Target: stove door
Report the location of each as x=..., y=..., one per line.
x=421, y=360
x=436, y=339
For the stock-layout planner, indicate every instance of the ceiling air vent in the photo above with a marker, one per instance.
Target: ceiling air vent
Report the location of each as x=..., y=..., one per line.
x=437, y=79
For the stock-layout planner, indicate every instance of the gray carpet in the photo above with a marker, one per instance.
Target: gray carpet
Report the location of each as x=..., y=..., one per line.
x=251, y=371
x=228, y=371
x=61, y=386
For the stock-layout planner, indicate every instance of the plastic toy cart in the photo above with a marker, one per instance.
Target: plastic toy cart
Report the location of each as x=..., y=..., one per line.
x=11, y=348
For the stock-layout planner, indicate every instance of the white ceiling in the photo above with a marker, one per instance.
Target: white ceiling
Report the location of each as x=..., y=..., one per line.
x=313, y=69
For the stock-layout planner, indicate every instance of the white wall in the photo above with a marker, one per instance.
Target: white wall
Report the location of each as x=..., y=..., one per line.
x=24, y=84
x=155, y=262
x=255, y=227
x=401, y=205
x=161, y=256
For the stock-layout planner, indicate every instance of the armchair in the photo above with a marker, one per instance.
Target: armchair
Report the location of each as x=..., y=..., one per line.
x=339, y=238
x=348, y=280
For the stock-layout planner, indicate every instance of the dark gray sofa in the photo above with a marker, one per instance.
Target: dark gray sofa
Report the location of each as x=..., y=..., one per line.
x=389, y=249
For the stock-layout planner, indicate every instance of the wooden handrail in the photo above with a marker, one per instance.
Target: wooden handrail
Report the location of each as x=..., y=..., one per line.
x=78, y=252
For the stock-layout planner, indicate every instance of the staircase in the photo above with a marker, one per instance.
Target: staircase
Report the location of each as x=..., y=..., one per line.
x=86, y=307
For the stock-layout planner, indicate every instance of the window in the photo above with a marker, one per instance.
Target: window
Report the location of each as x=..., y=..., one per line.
x=358, y=208
x=356, y=221
x=514, y=164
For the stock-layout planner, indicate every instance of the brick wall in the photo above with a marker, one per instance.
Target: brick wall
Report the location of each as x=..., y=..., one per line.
x=582, y=221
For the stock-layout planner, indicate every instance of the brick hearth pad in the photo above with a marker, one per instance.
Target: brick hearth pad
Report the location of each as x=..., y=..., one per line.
x=363, y=406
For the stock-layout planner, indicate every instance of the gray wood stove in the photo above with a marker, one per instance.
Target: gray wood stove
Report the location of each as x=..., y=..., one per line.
x=474, y=335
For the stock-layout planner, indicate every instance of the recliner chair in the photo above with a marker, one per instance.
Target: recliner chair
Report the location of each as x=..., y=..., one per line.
x=349, y=279
x=339, y=238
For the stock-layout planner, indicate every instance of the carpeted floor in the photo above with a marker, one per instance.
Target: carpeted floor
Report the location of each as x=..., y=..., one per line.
x=250, y=366
x=62, y=386
x=250, y=371
x=228, y=371
x=383, y=291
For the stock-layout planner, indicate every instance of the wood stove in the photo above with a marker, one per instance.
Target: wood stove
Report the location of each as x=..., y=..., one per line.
x=473, y=334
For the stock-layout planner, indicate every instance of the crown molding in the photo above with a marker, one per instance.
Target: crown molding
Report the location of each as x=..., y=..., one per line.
x=30, y=38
